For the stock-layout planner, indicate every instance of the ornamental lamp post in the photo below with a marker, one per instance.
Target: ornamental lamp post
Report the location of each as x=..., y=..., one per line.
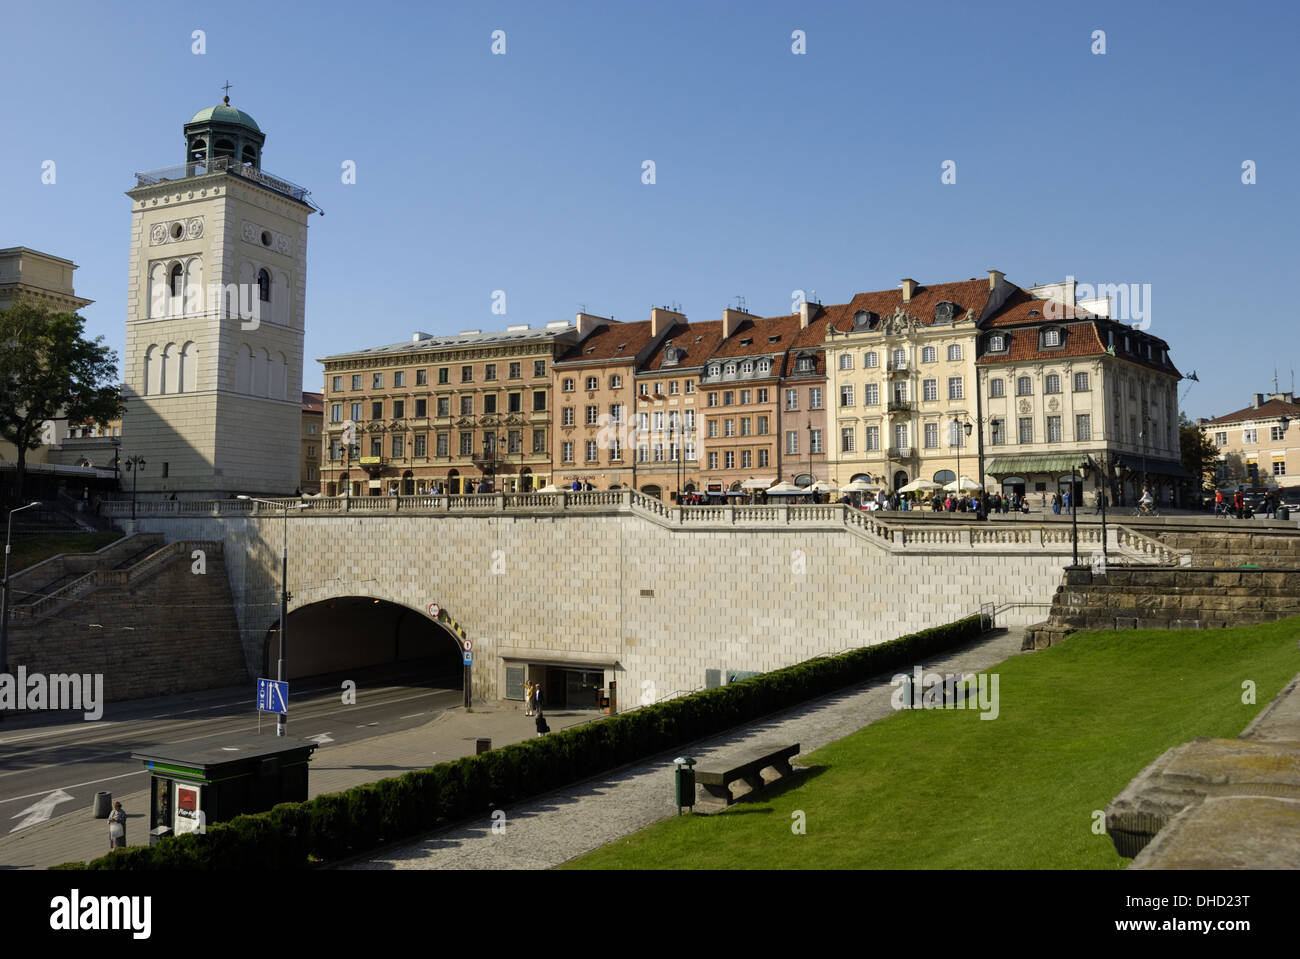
x=134, y=465
x=1082, y=470
x=4, y=594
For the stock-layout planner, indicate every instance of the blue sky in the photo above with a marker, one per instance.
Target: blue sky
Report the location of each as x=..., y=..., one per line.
x=774, y=171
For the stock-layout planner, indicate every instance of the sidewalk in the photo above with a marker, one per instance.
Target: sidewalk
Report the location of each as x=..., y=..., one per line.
x=552, y=829
x=452, y=734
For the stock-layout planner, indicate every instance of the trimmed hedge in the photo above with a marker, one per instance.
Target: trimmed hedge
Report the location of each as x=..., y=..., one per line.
x=336, y=825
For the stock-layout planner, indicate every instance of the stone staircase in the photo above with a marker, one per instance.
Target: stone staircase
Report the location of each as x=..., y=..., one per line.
x=1236, y=545
x=141, y=616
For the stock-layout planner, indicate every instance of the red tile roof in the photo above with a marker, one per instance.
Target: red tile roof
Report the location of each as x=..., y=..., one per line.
x=313, y=402
x=1270, y=410
x=602, y=344
x=1023, y=307
x=758, y=330
x=967, y=294
x=1081, y=339
x=699, y=340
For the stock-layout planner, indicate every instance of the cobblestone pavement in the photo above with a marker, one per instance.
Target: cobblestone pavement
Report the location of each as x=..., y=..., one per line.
x=561, y=825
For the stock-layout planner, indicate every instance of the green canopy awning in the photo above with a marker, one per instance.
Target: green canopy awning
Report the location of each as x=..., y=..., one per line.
x=1044, y=463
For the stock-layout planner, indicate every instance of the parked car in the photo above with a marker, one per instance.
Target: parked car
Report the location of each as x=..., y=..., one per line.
x=1290, y=498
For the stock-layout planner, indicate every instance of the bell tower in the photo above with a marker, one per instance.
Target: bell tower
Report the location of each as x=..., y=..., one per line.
x=215, y=317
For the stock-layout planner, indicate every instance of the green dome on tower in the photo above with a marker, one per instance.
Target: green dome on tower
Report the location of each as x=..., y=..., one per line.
x=223, y=113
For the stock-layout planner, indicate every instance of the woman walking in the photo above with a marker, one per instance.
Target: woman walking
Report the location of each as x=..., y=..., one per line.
x=117, y=827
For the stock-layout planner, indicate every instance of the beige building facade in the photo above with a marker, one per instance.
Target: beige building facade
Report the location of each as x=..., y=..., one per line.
x=1258, y=445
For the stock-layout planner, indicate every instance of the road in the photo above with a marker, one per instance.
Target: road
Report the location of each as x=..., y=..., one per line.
x=50, y=766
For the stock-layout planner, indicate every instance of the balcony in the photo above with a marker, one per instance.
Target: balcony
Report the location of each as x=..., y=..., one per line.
x=902, y=452
x=896, y=366
x=184, y=171
x=902, y=406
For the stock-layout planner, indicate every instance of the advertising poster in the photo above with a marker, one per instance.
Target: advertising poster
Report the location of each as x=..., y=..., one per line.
x=188, y=809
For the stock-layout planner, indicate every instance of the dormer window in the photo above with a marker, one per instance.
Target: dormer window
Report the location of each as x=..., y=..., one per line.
x=804, y=364
x=670, y=354
x=864, y=320
x=747, y=342
x=715, y=370
x=773, y=339
x=747, y=368
x=765, y=366
x=1052, y=336
x=731, y=369
x=944, y=312
x=997, y=343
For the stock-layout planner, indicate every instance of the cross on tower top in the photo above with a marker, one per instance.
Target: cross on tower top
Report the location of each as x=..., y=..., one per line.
x=226, y=98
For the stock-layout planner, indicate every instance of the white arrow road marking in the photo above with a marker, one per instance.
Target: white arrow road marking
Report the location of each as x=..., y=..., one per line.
x=364, y=725
x=321, y=738
x=42, y=810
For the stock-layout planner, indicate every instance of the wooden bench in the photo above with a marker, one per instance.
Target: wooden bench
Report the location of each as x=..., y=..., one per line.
x=715, y=775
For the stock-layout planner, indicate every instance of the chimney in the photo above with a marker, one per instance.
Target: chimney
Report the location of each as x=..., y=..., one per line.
x=806, y=312
x=419, y=335
x=996, y=278
x=909, y=288
x=731, y=320
x=587, y=322
x=661, y=318
x=1259, y=400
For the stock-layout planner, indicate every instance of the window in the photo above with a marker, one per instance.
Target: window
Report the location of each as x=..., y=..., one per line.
x=764, y=366
x=1026, y=429
x=467, y=374
x=442, y=446
x=791, y=399
x=490, y=371
x=399, y=378
x=815, y=441
x=713, y=461
x=336, y=384
x=539, y=367
x=356, y=381
x=515, y=403
x=956, y=390
x=1279, y=467
x=711, y=430
x=956, y=433
x=421, y=409
x=489, y=404
x=728, y=398
x=467, y=406
x=728, y=427
x=747, y=368
x=591, y=451
x=615, y=451
x=762, y=395
x=376, y=446
x=566, y=452
x=616, y=382
x=377, y=410
x=846, y=396
x=336, y=413
x=729, y=460
x=871, y=360
x=873, y=438
x=672, y=388
x=792, y=442
x=1275, y=433
x=539, y=441
x=515, y=442
x=616, y=412
x=593, y=415
x=746, y=397
x=1051, y=337
x=872, y=394
x=1083, y=426
x=745, y=424
x=397, y=447
x=846, y=439
x=658, y=420
x=762, y=459
x=998, y=431
x=444, y=406
x=690, y=386
x=929, y=354
x=1024, y=386
x=567, y=385
x=1053, y=384
x=643, y=389
x=930, y=390
x=899, y=361
x=846, y=361
x=643, y=422
x=1220, y=439
x=377, y=381
x=356, y=412
x=1053, y=429
x=399, y=409
x=900, y=438
x=688, y=418
x=539, y=401
x=514, y=371
x=1249, y=436
x=263, y=284
x=997, y=387
x=466, y=444
x=954, y=352
x=746, y=459
x=591, y=383
x=814, y=398
x=1081, y=383
x=997, y=343
x=762, y=426
x=931, y=436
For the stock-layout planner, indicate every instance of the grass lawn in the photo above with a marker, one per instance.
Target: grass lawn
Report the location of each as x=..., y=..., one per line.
x=30, y=551
x=943, y=789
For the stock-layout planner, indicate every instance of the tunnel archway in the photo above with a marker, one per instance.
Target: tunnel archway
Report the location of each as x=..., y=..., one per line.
x=349, y=633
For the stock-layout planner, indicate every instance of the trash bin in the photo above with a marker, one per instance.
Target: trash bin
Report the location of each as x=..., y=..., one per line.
x=1283, y=513
x=685, y=782
x=103, y=805
x=482, y=746
x=159, y=833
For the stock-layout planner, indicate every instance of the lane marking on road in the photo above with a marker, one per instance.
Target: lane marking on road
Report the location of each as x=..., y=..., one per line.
x=40, y=811
x=92, y=782
x=413, y=715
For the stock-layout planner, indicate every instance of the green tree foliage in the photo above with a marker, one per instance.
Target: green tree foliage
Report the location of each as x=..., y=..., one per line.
x=49, y=370
x=1200, y=456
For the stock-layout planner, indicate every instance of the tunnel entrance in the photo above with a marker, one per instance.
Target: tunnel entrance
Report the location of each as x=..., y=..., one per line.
x=356, y=632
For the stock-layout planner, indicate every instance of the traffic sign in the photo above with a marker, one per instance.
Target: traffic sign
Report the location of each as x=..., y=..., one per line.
x=468, y=645
x=272, y=696
x=469, y=658
x=435, y=610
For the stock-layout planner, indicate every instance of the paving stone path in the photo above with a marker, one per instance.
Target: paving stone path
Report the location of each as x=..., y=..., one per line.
x=558, y=826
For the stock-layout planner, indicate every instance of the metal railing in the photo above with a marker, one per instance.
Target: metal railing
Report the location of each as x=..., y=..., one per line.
x=183, y=171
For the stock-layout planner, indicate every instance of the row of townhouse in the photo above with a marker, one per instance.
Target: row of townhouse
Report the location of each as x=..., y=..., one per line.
x=889, y=387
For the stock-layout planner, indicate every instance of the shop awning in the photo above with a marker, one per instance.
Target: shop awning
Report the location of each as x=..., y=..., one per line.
x=1055, y=463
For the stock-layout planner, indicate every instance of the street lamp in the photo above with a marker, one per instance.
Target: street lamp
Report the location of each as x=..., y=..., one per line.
x=282, y=719
x=967, y=428
x=4, y=594
x=134, y=465
x=1082, y=470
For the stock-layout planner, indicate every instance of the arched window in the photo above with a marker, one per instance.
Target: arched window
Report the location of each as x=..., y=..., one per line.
x=167, y=382
x=188, y=368
x=198, y=150
x=194, y=286
x=152, y=370
x=264, y=286
x=944, y=477
x=261, y=374
x=244, y=370
x=279, y=377
x=250, y=155
x=177, y=280
x=223, y=148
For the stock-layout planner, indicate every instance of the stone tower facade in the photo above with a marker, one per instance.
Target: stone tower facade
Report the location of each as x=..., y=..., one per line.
x=215, y=318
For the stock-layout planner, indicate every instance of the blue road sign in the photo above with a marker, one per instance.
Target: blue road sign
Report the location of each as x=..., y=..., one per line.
x=272, y=696
x=469, y=658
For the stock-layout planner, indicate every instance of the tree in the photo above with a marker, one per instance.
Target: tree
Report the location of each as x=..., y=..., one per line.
x=49, y=370
x=1200, y=456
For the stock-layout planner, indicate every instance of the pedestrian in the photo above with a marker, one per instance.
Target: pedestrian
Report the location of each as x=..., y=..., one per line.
x=117, y=827
x=1056, y=503
x=542, y=728
x=1270, y=505
x=537, y=698
x=528, y=699
x=1066, y=501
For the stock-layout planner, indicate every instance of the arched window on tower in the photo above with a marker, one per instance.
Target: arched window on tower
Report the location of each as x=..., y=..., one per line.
x=264, y=286
x=177, y=281
x=244, y=370
x=261, y=374
x=223, y=148
x=198, y=150
x=250, y=155
x=189, y=368
x=151, y=370
x=167, y=382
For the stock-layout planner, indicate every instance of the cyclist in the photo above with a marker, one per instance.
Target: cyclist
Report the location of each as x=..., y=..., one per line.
x=1147, y=502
